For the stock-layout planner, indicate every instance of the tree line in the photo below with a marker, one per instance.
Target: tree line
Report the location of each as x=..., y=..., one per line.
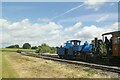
x=43, y=48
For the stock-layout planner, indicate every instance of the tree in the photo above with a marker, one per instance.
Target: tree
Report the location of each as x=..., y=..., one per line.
x=26, y=46
x=13, y=46
x=16, y=46
x=34, y=47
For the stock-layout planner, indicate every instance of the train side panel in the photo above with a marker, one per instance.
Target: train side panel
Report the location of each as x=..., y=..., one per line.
x=60, y=51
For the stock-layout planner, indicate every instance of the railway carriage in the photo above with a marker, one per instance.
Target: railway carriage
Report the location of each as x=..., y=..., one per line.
x=115, y=47
x=115, y=42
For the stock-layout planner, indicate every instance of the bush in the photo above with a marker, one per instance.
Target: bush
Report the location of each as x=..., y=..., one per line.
x=44, y=48
x=34, y=47
x=53, y=49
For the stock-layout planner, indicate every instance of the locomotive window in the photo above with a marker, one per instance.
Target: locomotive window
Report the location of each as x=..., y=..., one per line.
x=77, y=43
x=73, y=43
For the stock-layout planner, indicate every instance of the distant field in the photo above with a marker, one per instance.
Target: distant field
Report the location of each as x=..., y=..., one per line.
x=19, y=66
x=14, y=50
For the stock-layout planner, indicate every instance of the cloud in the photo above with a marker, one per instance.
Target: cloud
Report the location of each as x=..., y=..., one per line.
x=24, y=31
x=51, y=33
x=94, y=4
x=103, y=18
x=73, y=28
x=3, y=22
x=89, y=32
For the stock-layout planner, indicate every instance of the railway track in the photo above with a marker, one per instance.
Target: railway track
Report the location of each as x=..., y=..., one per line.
x=55, y=58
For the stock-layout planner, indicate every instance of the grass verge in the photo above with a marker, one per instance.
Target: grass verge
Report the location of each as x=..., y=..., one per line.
x=7, y=69
x=0, y=64
x=15, y=50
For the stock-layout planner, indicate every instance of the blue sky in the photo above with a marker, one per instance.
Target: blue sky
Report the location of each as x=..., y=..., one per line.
x=16, y=11
x=64, y=20
x=53, y=0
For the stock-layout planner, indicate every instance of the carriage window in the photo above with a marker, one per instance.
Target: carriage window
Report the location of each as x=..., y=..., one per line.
x=117, y=40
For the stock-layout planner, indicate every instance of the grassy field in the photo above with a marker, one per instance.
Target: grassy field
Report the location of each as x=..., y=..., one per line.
x=7, y=69
x=14, y=50
x=16, y=65
x=0, y=64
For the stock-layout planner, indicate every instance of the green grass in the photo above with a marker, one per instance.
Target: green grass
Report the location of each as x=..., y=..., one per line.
x=15, y=50
x=0, y=64
x=7, y=69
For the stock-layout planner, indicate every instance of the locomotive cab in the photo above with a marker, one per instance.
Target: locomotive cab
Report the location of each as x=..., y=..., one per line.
x=68, y=49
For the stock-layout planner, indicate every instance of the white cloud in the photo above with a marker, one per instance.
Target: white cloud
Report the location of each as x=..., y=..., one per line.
x=4, y=23
x=89, y=32
x=24, y=31
x=51, y=33
x=94, y=4
x=103, y=18
x=73, y=28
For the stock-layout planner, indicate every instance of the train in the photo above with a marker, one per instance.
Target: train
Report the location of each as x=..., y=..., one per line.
x=98, y=50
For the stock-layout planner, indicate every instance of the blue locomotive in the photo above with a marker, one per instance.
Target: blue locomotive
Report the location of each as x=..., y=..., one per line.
x=72, y=49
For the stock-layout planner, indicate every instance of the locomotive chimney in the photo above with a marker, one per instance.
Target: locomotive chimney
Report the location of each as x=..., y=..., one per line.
x=96, y=43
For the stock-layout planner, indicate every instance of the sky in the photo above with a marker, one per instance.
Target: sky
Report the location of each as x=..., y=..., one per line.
x=57, y=0
x=56, y=22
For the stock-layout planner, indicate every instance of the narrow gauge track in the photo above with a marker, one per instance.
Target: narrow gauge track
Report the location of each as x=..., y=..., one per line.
x=96, y=66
